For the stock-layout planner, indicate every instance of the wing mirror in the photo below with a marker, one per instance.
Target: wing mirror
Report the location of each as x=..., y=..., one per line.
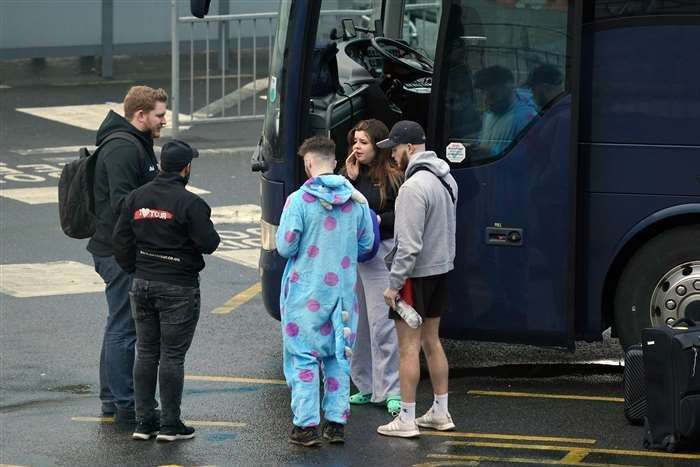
x=199, y=8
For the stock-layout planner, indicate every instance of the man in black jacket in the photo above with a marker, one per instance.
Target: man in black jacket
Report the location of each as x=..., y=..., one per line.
x=160, y=237
x=125, y=161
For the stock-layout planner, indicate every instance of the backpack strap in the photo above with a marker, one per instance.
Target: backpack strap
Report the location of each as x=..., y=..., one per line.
x=129, y=137
x=423, y=168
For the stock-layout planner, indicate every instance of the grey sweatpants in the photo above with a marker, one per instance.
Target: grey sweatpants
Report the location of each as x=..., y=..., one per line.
x=374, y=365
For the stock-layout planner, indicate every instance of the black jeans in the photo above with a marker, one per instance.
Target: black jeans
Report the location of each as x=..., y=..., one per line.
x=166, y=316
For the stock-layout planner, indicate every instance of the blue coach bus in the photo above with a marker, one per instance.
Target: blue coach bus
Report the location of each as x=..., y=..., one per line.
x=571, y=126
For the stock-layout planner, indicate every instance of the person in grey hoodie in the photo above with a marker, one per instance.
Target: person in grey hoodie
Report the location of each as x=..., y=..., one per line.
x=424, y=233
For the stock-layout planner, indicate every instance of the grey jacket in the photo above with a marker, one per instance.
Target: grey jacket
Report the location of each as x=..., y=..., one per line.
x=425, y=225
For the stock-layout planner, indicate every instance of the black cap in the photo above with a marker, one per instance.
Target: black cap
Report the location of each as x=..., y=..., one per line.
x=175, y=155
x=544, y=74
x=403, y=132
x=492, y=76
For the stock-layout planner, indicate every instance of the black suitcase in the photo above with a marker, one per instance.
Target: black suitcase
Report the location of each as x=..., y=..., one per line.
x=672, y=379
x=633, y=380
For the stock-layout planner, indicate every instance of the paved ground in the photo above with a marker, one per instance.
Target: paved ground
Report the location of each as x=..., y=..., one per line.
x=513, y=405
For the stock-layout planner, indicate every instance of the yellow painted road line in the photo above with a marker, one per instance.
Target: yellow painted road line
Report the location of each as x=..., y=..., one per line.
x=545, y=396
x=238, y=300
x=575, y=456
x=517, y=460
x=205, y=423
x=10, y=465
x=234, y=379
x=613, y=452
x=548, y=439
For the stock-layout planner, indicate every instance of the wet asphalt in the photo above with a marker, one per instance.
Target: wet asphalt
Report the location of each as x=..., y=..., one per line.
x=513, y=405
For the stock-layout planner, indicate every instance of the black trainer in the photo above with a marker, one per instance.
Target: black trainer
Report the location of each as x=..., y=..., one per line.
x=334, y=432
x=175, y=432
x=146, y=429
x=305, y=436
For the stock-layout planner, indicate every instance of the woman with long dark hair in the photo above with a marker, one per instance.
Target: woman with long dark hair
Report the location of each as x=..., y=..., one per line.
x=375, y=362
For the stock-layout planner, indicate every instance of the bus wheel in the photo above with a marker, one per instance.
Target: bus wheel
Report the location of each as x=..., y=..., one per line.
x=659, y=283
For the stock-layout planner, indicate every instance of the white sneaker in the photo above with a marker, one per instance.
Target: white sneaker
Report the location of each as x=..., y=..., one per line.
x=430, y=420
x=399, y=428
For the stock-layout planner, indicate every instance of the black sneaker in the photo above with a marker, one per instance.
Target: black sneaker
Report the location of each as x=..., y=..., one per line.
x=145, y=430
x=334, y=432
x=305, y=436
x=175, y=432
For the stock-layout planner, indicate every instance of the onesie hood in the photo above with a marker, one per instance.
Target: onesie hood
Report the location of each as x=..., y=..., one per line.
x=331, y=189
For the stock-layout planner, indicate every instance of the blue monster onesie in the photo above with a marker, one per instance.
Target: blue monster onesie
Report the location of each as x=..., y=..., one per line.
x=322, y=232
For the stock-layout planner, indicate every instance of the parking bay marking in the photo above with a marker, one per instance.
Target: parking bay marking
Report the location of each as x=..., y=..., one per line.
x=511, y=437
x=234, y=379
x=545, y=396
x=238, y=300
x=201, y=423
x=476, y=460
x=578, y=450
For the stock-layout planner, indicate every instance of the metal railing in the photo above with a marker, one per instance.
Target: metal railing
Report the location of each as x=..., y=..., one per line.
x=218, y=48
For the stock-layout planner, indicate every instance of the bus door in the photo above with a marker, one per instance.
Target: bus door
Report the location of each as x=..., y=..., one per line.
x=503, y=114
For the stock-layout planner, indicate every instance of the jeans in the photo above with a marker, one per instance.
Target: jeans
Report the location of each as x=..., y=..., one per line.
x=117, y=355
x=166, y=316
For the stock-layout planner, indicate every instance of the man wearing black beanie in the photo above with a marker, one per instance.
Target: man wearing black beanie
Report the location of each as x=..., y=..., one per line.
x=160, y=237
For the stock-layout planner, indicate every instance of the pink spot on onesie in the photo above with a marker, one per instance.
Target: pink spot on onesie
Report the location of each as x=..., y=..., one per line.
x=313, y=305
x=308, y=197
x=332, y=384
x=330, y=223
x=331, y=279
x=290, y=236
x=326, y=328
x=347, y=207
x=306, y=376
x=312, y=251
x=294, y=278
x=345, y=263
x=291, y=329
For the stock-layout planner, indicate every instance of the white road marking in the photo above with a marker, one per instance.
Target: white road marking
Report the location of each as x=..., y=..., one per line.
x=248, y=257
x=236, y=214
x=88, y=117
x=42, y=195
x=60, y=150
x=196, y=191
x=46, y=279
x=49, y=194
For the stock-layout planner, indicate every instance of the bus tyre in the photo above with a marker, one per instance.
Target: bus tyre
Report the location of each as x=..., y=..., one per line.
x=660, y=282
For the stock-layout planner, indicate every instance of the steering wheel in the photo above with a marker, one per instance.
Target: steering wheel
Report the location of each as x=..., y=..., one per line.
x=422, y=65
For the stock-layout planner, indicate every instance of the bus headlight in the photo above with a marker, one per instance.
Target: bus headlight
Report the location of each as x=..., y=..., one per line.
x=268, y=232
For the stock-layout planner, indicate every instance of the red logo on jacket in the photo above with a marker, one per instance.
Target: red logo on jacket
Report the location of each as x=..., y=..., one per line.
x=147, y=213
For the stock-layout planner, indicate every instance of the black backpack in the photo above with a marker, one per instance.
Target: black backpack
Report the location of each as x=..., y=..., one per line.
x=76, y=199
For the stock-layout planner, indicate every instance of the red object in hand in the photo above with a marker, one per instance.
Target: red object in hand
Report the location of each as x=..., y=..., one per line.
x=406, y=292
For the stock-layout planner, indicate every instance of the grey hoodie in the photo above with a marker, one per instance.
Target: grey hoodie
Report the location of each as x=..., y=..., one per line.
x=425, y=224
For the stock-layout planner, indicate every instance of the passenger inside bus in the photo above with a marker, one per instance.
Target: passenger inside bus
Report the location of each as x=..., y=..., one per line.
x=508, y=110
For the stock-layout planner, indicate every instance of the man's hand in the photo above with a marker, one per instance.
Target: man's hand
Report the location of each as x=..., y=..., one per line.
x=390, y=297
x=352, y=166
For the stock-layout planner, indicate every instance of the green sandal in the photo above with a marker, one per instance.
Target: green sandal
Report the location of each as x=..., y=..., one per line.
x=360, y=399
x=393, y=405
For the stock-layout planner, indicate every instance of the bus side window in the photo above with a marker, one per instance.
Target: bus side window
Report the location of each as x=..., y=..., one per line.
x=504, y=67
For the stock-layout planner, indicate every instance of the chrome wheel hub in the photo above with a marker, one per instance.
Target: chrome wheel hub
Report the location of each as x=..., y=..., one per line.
x=677, y=295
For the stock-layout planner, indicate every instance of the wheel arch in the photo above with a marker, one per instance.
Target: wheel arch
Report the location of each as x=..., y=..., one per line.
x=636, y=237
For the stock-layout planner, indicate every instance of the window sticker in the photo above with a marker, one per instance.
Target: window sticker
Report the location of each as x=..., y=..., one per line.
x=455, y=152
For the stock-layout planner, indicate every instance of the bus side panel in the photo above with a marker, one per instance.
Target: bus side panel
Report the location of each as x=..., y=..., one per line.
x=640, y=150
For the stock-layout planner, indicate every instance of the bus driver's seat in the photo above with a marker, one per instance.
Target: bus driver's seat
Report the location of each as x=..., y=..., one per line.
x=334, y=108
